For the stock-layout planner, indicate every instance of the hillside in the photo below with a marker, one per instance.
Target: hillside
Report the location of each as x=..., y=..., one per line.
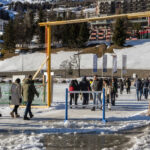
x=137, y=58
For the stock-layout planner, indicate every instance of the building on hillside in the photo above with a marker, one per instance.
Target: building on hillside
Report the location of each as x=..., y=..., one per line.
x=77, y=11
x=2, y=23
x=102, y=29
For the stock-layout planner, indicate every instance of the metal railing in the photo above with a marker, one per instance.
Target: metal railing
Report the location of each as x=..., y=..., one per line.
x=82, y=92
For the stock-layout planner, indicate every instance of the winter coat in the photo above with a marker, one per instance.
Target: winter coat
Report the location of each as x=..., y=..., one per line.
x=138, y=84
x=107, y=90
x=96, y=85
x=128, y=83
x=121, y=85
x=84, y=85
x=15, y=94
x=114, y=87
x=29, y=90
x=146, y=83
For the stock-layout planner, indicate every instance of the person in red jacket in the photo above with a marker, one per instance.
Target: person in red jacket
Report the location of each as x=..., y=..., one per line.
x=72, y=95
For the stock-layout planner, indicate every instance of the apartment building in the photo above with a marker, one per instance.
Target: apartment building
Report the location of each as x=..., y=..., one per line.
x=2, y=23
x=102, y=29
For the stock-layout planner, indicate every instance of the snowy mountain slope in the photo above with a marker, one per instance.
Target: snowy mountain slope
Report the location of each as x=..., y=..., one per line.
x=138, y=57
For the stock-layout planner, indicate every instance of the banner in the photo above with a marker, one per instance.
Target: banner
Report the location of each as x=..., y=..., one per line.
x=104, y=63
x=114, y=63
x=94, y=63
x=124, y=64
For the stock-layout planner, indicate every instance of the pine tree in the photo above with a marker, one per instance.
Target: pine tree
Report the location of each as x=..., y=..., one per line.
x=29, y=25
x=119, y=35
x=41, y=30
x=83, y=34
x=9, y=38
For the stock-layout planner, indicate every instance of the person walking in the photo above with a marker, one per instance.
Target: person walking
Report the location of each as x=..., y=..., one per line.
x=145, y=88
x=96, y=87
x=113, y=91
x=29, y=91
x=139, y=88
x=84, y=86
x=121, y=86
x=15, y=97
x=128, y=85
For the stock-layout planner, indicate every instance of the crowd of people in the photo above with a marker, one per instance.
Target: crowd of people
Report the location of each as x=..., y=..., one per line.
x=142, y=88
x=96, y=85
x=27, y=92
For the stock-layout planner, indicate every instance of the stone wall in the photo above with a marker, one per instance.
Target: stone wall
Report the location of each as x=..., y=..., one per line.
x=84, y=72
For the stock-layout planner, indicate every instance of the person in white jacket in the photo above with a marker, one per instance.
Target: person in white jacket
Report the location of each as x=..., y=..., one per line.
x=107, y=87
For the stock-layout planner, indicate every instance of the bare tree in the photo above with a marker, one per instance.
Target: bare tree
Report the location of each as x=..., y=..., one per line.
x=67, y=66
x=75, y=60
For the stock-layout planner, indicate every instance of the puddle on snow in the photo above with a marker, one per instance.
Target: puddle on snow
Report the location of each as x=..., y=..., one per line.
x=85, y=141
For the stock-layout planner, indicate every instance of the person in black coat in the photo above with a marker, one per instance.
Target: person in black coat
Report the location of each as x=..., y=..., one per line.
x=113, y=91
x=121, y=86
x=128, y=85
x=139, y=88
x=76, y=88
x=85, y=86
x=145, y=88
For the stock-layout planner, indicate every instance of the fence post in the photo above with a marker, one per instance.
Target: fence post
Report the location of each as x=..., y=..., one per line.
x=103, y=119
x=66, y=105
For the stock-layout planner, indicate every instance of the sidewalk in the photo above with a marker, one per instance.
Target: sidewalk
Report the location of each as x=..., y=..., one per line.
x=128, y=113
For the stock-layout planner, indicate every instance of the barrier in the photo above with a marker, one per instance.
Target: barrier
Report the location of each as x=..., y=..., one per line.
x=81, y=92
x=38, y=101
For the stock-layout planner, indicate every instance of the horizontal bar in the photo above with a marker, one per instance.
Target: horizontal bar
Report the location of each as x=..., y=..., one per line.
x=128, y=16
x=72, y=92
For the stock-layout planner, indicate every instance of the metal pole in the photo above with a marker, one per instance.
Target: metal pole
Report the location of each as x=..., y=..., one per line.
x=66, y=106
x=49, y=65
x=102, y=63
x=22, y=62
x=103, y=119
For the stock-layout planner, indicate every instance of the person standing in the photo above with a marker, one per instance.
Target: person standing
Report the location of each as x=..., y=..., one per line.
x=113, y=92
x=96, y=87
x=84, y=86
x=76, y=88
x=29, y=91
x=72, y=95
x=107, y=87
x=15, y=97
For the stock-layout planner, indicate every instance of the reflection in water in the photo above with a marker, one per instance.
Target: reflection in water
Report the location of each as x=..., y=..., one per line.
x=85, y=141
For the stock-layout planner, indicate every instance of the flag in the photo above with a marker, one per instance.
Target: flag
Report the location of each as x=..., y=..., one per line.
x=124, y=64
x=94, y=63
x=104, y=63
x=114, y=63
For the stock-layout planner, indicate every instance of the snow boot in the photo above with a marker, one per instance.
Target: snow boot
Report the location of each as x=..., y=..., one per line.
x=26, y=118
x=93, y=109
x=12, y=114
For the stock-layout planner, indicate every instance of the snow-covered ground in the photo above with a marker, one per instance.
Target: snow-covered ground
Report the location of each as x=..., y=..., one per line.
x=28, y=62
x=127, y=114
